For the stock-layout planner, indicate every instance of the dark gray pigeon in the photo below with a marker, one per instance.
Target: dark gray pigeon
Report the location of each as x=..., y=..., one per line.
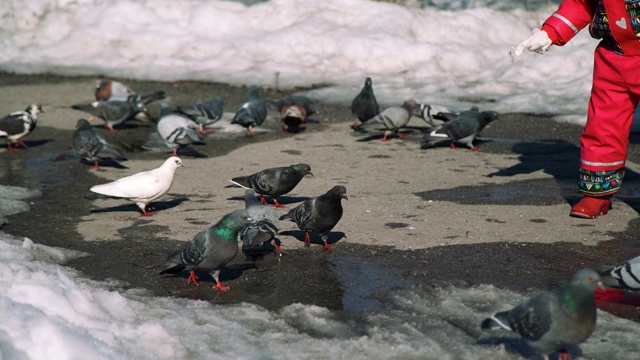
x=18, y=124
x=392, y=119
x=252, y=112
x=319, y=214
x=263, y=229
x=553, y=321
x=92, y=146
x=274, y=182
x=462, y=129
x=364, y=106
x=176, y=130
x=210, y=250
x=294, y=111
x=204, y=113
x=114, y=112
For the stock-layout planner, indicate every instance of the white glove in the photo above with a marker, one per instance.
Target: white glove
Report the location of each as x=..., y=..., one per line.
x=539, y=42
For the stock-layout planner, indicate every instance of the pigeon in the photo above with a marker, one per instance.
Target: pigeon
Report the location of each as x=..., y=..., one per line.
x=553, y=321
x=114, y=112
x=176, y=130
x=622, y=283
x=141, y=188
x=294, y=111
x=19, y=124
x=210, y=250
x=391, y=119
x=92, y=146
x=252, y=112
x=274, y=182
x=319, y=214
x=462, y=129
x=364, y=106
x=263, y=229
x=205, y=113
x=426, y=113
x=111, y=90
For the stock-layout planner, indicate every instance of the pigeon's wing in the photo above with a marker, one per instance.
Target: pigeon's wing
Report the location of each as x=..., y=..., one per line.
x=625, y=276
x=533, y=318
x=12, y=123
x=107, y=150
x=154, y=96
x=303, y=214
x=192, y=252
x=85, y=143
x=144, y=185
x=461, y=127
x=265, y=181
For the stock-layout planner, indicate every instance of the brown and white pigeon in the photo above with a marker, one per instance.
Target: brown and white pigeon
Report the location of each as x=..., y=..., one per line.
x=462, y=129
x=274, y=181
x=113, y=112
x=92, y=146
x=294, y=111
x=364, y=106
x=392, y=119
x=210, y=250
x=112, y=90
x=252, y=113
x=553, y=321
x=18, y=124
x=320, y=214
x=142, y=188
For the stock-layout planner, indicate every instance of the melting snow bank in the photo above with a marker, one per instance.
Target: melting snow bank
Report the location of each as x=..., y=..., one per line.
x=50, y=311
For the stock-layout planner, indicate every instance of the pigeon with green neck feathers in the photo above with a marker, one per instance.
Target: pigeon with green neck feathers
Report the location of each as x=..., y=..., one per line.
x=553, y=321
x=210, y=250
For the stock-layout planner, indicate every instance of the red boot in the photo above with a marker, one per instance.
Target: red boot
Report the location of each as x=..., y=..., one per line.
x=590, y=207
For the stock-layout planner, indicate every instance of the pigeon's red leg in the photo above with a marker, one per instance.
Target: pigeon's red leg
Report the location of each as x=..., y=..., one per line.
x=111, y=128
x=174, y=152
x=326, y=246
x=203, y=131
x=146, y=213
x=21, y=143
x=452, y=145
x=385, y=138
x=250, y=132
x=277, y=204
x=193, y=278
x=563, y=355
x=219, y=286
x=11, y=148
x=401, y=136
x=307, y=239
x=278, y=248
x=475, y=148
x=263, y=200
x=96, y=166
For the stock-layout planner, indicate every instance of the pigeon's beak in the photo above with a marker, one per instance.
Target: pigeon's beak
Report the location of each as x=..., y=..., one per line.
x=600, y=285
x=309, y=173
x=344, y=196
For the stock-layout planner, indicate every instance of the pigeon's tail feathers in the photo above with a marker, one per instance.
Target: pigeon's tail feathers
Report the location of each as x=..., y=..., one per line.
x=173, y=268
x=154, y=96
x=112, y=152
x=497, y=321
x=241, y=181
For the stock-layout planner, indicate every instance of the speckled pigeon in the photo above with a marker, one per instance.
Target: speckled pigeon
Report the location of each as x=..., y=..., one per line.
x=294, y=111
x=274, y=182
x=141, y=188
x=114, y=112
x=263, y=229
x=176, y=130
x=252, y=112
x=462, y=129
x=210, y=250
x=204, y=113
x=392, y=119
x=92, y=146
x=364, y=106
x=431, y=116
x=622, y=283
x=553, y=321
x=319, y=214
x=18, y=124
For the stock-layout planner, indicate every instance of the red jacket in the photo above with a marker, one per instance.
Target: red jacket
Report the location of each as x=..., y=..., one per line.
x=573, y=15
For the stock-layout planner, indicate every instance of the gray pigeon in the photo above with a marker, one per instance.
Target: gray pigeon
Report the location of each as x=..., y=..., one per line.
x=204, y=113
x=19, y=124
x=364, y=106
x=252, y=112
x=176, y=130
x=263, y=229
x=92, y=146
x=274, y=182
x=114, y=112
x=625, y=276
x=391, y=119
x=294, y=111
x=319, y=214
x=553, y=321
x=141, y=188
x=210, y=250
x=462, y=129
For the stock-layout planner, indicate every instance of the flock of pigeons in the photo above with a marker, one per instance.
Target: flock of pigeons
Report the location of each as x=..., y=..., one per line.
x=549, y=321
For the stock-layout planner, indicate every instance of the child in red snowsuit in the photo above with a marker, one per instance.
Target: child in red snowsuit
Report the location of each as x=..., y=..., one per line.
x=614, y=94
